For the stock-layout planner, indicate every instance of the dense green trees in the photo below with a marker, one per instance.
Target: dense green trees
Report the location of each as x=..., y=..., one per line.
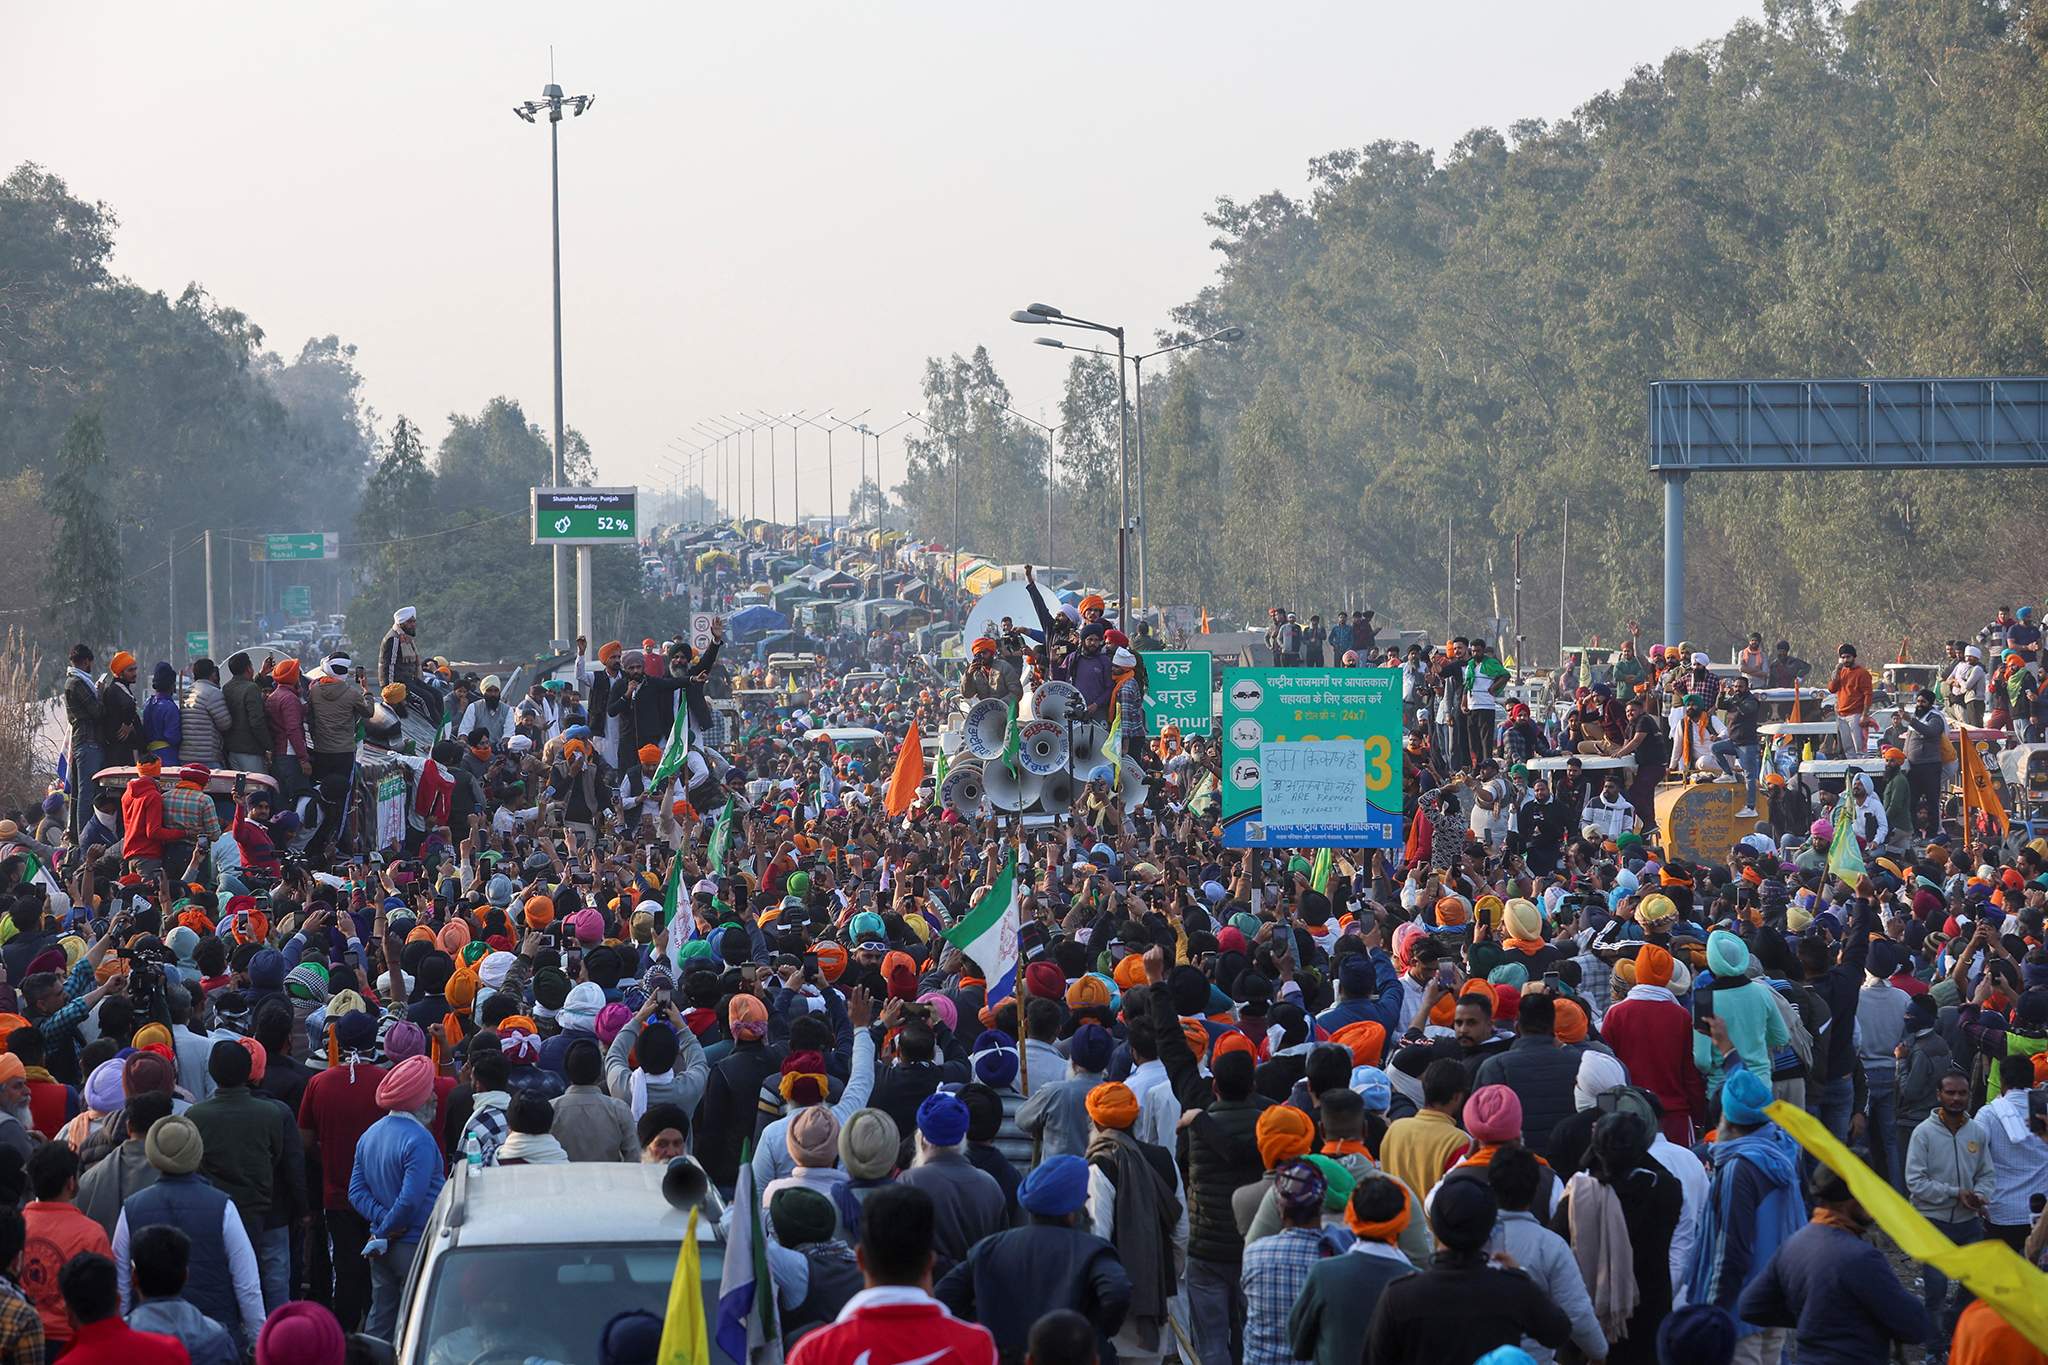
x=1468, y=337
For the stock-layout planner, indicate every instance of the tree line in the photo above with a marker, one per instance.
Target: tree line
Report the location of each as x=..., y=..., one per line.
x=1447, y=351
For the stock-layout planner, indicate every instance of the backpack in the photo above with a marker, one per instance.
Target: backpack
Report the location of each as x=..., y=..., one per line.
x=1631, y=1099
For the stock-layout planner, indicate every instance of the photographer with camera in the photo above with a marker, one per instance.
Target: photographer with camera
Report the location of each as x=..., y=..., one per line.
x=56, y=1003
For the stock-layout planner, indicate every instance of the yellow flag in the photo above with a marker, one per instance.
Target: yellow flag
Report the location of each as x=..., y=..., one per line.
x=1994, y=1272
x=685, y=1337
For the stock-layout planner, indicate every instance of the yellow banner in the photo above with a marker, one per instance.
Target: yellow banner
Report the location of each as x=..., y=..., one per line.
x=1994, y=1272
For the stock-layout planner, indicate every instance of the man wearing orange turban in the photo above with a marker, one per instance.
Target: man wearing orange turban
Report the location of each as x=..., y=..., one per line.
x=1651, y=1034
x=1283, y=1133
x=1112, y=1105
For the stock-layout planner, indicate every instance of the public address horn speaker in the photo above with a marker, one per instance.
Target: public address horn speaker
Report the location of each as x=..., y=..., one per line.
x=1056, y=793
x=1007, y=791
x=961, y=792
x=1088, y=741
x=988, y=728
x=1052, y=701
x=1042, y=747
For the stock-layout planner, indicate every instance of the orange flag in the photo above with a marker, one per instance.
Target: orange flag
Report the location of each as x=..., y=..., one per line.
x=1979, y=792
x=1205, y=620
x=903, y=783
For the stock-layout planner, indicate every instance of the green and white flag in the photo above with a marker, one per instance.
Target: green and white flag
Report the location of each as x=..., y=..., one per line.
x=1011, y=745
x=721, y=839
x=677, y=748
x=34, y=873
x=676, y=915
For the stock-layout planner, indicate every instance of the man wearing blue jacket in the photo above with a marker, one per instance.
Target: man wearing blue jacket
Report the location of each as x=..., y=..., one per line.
x=396, y=1178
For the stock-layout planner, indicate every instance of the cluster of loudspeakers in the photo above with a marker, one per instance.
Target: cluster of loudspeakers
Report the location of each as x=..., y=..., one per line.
x=1057, y=754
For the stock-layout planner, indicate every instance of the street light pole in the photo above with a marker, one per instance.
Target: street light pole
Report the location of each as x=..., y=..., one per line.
x=1050, y=431
x=552, y=102
x=1137, y=362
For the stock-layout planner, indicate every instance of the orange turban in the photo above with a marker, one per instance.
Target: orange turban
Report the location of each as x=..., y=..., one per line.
x=1367, y=1039
x=120, y=663
x=1087, y=991
x=1092, y=602
x=8, y=1024
x=831, y=960
x=196, y=921
x=1112, y=1105
x=1130, y=972
x=517, y=1023
x=1197, y=1035
x=1452, y=912
x=1653, y=965
x=1284, y=1133
x=650, y=753
x=149, y=767
x=1235, y=1041
x=1571, y=1022
x=462, y=988
x=540, y=912
x=422, y=934
x=609, y=650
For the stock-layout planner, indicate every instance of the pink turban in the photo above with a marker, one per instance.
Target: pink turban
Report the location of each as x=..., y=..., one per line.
x=407, y=1086
x=610, y=1020
x=301, y=1334
x=404, y=1039
x=944, y=1011
x=1405, y=936
x=1494, y=1114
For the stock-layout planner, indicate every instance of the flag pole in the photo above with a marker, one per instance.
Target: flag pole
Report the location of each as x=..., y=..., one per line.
x=1023, y=978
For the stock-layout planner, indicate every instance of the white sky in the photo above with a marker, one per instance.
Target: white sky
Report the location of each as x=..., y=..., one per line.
x=771, y=206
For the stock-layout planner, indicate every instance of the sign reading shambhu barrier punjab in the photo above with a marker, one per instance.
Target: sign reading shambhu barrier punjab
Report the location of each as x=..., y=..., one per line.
x=585, y=516
x=1312, y=758
x=1178, y=688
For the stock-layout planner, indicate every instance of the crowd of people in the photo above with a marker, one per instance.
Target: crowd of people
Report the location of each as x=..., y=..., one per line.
x=1503, y=1094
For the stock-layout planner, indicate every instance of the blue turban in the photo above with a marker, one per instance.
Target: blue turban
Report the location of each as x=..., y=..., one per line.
x=1699, y=1334
x=994, y=1058
x=1056, y=1188
x=1374, y=1086
x=942, y=1118
x=1743, y=1097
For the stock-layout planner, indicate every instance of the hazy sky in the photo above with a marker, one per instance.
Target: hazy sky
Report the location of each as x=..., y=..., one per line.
x=771, y=206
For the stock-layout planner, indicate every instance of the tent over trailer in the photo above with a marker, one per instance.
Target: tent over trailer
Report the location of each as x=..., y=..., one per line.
x=754, y=621
x=981, y=577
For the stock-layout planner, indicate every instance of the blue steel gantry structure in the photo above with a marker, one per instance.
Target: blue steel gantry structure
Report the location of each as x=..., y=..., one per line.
x=1699, y=425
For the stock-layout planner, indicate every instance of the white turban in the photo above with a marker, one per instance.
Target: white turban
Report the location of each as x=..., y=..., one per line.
x=1700, y=660
x=1598, y=1074
x=404, y=614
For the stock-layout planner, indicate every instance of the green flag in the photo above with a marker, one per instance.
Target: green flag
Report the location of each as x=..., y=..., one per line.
x=939, y=767
x=673, y=753
x=721, y=839
x=1113, y=748
x=1319, y=874
x=1016, y=738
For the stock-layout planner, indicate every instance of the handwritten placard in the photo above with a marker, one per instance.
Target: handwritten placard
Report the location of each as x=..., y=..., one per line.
x=1318, y=783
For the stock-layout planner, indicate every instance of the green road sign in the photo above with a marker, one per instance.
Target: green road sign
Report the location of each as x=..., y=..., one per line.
x=585, y=516
x=1179, y=685
x=298, y=602
x=1312, y=758
x=288, y=546
x=196, y=645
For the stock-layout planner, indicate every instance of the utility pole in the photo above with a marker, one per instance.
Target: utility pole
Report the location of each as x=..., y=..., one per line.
x=209, y=593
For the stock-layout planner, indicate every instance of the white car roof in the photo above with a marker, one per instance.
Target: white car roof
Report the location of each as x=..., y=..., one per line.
x=579, y=1202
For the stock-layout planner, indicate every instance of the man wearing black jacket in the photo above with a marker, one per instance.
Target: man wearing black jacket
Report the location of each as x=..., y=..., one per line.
x=1219, y=1150
x=1839, y=985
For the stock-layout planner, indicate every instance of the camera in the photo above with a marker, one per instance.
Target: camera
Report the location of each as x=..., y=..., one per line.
x=146, y=980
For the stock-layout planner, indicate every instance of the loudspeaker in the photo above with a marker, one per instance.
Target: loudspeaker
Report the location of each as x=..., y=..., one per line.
x=988, y=728
x=684, y=1184
x=1088, y=739
x=1056, y=793
x=1042, y=747
x=962, y=792
x=1007, y=791
x=1052, y=701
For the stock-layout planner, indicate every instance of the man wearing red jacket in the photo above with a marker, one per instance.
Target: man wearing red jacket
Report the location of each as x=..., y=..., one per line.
x=895, y=1320
x=142, y=817
x=1652, y=1035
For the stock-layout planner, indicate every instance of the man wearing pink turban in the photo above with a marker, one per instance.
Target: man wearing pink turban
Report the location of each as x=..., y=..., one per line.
x=396, y=1178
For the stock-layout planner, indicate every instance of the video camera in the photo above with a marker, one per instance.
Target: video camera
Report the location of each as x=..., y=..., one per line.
x=146, y=979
